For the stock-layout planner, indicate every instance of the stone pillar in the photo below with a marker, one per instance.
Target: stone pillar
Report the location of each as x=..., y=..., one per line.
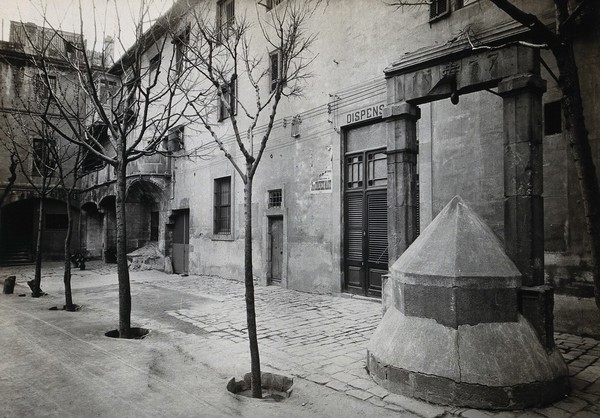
x=402, y=150
x=104, y=213
x=523, y=161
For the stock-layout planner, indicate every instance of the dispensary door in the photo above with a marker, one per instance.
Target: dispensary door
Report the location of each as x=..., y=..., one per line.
x=365, y=222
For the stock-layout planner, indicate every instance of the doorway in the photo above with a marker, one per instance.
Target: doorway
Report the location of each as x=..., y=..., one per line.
x=275, y=249
x=181, y=241
x=17, y=238
x=365, y=211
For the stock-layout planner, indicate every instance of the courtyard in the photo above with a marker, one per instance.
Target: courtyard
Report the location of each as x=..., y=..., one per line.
x=59, y=363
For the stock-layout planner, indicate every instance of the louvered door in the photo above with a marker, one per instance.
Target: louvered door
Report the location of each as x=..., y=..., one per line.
x=377, y=241
x=354, y=259
x=365, y=222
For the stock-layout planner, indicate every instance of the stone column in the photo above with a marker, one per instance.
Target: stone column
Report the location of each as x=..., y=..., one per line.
x=402, y=150
x=523, y=201
x=523, y=178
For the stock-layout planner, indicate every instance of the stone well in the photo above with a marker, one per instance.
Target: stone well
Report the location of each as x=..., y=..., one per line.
x=452, y=332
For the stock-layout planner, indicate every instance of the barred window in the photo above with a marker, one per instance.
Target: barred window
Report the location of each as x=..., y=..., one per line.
x=275, y=198
x=222, y=206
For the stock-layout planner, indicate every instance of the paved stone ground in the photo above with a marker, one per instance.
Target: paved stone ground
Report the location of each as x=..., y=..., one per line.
x=323, y=339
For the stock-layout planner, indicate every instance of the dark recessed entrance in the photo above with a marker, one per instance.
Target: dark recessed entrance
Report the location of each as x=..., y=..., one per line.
x=16, y=232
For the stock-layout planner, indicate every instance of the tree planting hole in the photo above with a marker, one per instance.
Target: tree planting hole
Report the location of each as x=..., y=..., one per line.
x=275, y=387
x=134, y=333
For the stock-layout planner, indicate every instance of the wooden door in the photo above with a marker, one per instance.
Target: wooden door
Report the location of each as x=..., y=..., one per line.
x=181, y=241
x=276, y=244
x=365, y=222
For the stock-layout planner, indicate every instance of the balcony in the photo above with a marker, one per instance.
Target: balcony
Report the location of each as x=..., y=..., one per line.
x=152, y=165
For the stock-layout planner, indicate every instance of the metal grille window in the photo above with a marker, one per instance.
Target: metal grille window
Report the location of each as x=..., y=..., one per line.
x=438, y=8
x=275, y=198
x=222, y=206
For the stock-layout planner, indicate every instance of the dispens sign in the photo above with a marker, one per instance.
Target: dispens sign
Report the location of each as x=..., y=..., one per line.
x=365, y=113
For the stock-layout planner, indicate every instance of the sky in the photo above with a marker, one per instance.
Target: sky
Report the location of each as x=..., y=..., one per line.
x=115, y=18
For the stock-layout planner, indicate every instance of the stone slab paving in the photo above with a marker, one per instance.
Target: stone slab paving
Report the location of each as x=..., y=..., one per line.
x=323, y=338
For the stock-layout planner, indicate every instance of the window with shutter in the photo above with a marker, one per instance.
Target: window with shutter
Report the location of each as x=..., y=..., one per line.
x=153, y=68
x=226, y=18
x=180, y=44
x=175, y=139
x=222, y=206
x=276, y=68
x=438, y=8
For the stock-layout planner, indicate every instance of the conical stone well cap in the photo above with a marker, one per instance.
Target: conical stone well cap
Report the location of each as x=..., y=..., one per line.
x=458, y=243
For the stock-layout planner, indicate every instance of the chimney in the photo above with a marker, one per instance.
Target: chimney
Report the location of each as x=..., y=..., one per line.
x=108, y=50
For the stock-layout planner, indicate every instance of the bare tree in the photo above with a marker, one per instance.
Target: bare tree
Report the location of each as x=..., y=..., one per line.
x=570, y=18
x=31, y=144
x=68, y=178
x=219, y=57
x=134, y=107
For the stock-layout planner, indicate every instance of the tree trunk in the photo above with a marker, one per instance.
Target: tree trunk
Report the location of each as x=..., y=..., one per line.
x=249, y=281
x=36, y=290
x=67, y=275
x=577, y=136
x=122, y=268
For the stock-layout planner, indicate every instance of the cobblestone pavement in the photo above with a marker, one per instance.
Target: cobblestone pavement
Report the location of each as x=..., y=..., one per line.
x=323, y=338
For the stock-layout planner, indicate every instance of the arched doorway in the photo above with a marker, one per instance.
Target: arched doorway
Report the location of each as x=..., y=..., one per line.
x=143, y=201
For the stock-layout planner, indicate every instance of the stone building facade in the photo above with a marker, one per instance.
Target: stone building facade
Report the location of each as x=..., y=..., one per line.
x=399, y=116
x=23, y=99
